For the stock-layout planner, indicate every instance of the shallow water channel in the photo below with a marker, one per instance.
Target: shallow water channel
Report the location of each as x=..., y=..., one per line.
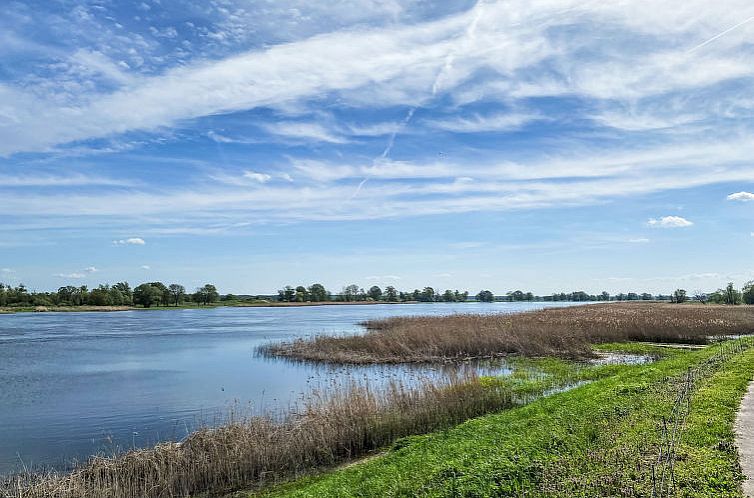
x=76, y=384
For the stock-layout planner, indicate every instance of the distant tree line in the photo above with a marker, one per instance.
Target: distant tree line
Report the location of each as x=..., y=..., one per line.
x=728, y=295
x=355, y=293
x=147, y=295
x=158, y=294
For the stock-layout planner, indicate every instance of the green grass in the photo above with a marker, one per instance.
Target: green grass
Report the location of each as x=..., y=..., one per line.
x=601, y=439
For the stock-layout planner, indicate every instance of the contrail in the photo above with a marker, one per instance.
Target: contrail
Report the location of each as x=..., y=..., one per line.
x=447, y=66
x=388, y=148
x=703, y=44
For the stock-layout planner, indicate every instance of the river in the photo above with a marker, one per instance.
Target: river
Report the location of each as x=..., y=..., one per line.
x=77, y=384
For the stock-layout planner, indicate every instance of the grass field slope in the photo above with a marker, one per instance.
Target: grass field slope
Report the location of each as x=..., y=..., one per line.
x=663, y=429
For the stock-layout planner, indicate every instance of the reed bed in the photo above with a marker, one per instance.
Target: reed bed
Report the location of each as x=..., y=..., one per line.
x=562, y=332
x=258, y=451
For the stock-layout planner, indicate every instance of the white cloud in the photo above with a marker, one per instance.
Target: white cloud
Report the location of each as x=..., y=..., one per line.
x=324, y=190
x=146, y=267
x=74, y=275
x=669, y=222
x=44, y=180
x=90, y=269
x=7, y=270
x=741, y=196
x=257, y=177
x=305, y=131
x=639, y=240
x=381, y=278
x=97, y=62
x=134, y=241
x=479, y=123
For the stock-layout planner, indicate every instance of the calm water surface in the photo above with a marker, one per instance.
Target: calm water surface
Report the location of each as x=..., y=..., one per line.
x=76, y=384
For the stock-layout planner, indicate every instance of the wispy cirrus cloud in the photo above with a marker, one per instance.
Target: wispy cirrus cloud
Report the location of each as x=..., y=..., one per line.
x=74, y=180
x=485, y=123
x=319, y=188
x=510, y=58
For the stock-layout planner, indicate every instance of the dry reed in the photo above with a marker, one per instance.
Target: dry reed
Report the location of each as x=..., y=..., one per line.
x=564, y=332
x=259, y=451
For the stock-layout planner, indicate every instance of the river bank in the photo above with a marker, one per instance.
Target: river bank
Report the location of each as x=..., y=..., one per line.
x=664, y=429
x=232, y=304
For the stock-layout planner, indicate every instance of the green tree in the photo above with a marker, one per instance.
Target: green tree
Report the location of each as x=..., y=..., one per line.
x=177, y=293
x=375, y=293
x=350, y=293
x=302, y=294
x=427, y=295
x=318, y=293
x=207, y=294
x=100, y=296
x=147, y=295
x=391, y=294
x=731, y=295
x=517, y=296
x=748, y=293
x=485, y=296
x=116, y=297
x=164, y=293
x=679, y=296
x=125, y=291
x=287, y=294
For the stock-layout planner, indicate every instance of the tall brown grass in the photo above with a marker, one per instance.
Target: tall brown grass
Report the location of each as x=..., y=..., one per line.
x=565, y=332
x=258, y=451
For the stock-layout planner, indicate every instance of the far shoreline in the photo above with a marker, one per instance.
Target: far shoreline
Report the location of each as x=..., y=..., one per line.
x=9, y=310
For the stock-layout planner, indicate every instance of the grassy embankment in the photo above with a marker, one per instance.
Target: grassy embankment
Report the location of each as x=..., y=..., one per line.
x=664, y=429
x=561, y=332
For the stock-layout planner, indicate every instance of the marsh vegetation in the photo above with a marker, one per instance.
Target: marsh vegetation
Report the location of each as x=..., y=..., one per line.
x=562, y=332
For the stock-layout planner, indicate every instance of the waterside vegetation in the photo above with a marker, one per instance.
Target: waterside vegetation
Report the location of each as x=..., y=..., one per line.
x=330, y=428
x=663, y=429
x=561, y=332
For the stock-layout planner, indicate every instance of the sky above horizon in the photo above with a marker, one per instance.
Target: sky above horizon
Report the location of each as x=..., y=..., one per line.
x=548, y=145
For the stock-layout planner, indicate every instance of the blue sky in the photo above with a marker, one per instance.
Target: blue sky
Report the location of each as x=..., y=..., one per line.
x=547, y=145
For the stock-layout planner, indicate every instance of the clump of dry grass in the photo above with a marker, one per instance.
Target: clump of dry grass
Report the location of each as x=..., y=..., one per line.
x=564, y=332
x=260, y=450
